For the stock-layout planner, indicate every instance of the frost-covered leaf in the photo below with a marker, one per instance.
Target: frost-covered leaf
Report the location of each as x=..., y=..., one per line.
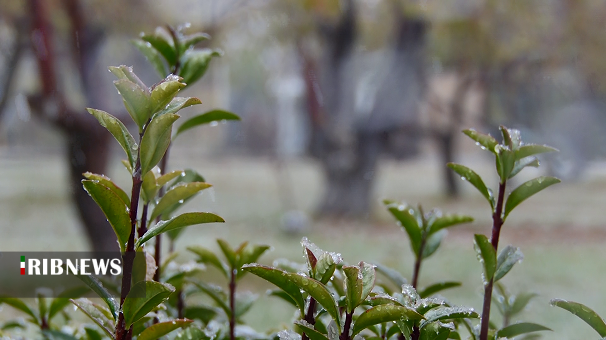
x=487, y=142
x=475, y=180
x=584, y=313
x=508, y=257
x=114, y=208
x=526, y=190
x=383, y=313
x=486, y=255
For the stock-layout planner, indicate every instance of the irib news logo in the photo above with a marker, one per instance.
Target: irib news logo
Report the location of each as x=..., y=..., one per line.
x=60, y=272
x=78, y=266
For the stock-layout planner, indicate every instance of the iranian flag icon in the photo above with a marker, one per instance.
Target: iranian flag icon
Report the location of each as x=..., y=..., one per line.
x=22, y=265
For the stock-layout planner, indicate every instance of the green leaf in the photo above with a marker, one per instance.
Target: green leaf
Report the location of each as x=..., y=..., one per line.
x=319, y=292
x=152, y=55
x=208, y=257
x=279, y=278
x=195, y=63
x=282, y=295
x=163, y=45
x=92, y=333
x=520, y=302
x=526, y=190
x=584, y=313
x=436, y=331
x=438, y=287
x=56, y=335
x=134, y=307
x=180, y=221
x=405, y=216
x=162, y=180
x=475, y=180
x=108, y=183
x=448, y=221
x=368, y=278
x=433, y=243
x=156, y=140
x=508, y=257
x=206, y=118
x=62, y=300
x=505, y=162
x=177, y=194
x=119, y=131
x=511, y=137
x=448, y=313
x=42, y=306
x=149, y=187
x=533, y=149
x=404, y=327
x=164, y=92
x=19, y=305
x=309, y=330
x=136, y=100
x=97, y=314
x=113, y=207
x=486, y=255
x=353, y=287
x=393, y=275
x=325, y=268
x=487, y=142
x=250, y=254
x=177, y=104
x=202, y=313
x=124, y=72
x=128, y=166
x=155, y=331
x=216, y=294
x=96, y=286
x=519, y=328
x=193, y=333
x=229, y=253
x=190, y=176
x=522, y=163
x=190, y=40
x=384, y=313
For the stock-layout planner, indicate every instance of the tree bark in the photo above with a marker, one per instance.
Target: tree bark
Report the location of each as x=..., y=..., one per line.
x=86, y=140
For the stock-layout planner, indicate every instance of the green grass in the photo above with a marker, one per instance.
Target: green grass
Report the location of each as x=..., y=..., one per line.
x=560, y=231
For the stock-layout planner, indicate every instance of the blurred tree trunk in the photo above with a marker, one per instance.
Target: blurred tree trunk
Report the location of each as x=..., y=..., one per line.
x=86, y=140
x=346, y=143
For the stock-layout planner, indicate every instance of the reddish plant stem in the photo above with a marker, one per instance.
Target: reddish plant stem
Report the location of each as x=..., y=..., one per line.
x=232, y=305
x=497, y=223
x=415, y=275
x=347, y=326
x=128, y=257
x=309, y=316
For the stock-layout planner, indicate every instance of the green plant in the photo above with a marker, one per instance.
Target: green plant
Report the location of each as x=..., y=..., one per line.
x=425, y=232
x=154, y=110
x=511, y=156
x=337, y=300
x=233, y=306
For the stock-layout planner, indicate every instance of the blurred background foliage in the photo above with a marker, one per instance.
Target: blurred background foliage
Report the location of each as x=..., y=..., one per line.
x=343, y=103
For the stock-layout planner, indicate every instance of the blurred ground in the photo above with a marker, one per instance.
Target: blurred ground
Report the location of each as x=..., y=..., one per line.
x=561, y=231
